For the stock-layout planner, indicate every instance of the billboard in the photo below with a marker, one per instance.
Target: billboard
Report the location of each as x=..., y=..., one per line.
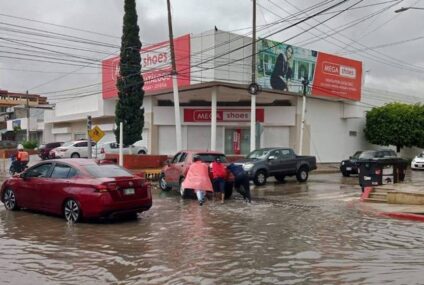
x=283, y=67
x=155, y=67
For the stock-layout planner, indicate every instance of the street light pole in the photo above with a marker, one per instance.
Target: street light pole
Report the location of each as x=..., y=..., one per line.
x=28, y=114
x=253, y=96
x=305, y=83
x=174, y=81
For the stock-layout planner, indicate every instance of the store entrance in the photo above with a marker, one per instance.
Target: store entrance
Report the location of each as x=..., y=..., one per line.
x=237, y=141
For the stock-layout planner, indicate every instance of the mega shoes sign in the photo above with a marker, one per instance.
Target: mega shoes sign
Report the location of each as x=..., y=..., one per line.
x=155, y=67
x=285, y=67
x=222, y=115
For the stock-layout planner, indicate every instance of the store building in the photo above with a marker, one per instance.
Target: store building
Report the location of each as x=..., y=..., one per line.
x=213, y=79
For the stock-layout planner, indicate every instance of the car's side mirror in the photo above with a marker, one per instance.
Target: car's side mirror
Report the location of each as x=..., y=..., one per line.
x=350, y=157
x=271, y=157
x=168, y=162
x=23, y=176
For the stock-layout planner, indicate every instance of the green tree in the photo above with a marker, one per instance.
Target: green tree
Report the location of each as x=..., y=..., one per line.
x=394, y=124
x=130, y=82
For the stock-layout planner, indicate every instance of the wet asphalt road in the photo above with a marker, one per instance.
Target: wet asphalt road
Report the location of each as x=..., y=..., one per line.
x=291, y=234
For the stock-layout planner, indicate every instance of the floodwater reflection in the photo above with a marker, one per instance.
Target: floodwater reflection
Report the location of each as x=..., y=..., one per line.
x=291, y=234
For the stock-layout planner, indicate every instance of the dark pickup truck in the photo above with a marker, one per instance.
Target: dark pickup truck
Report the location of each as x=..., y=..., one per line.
x=278, y=162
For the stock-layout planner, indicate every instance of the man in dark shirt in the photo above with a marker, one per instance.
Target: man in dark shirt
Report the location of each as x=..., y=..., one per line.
x=241, y=180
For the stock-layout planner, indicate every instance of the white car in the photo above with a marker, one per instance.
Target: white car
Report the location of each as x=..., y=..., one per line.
x=418, y=162
x=75, y=149
x=113, y=147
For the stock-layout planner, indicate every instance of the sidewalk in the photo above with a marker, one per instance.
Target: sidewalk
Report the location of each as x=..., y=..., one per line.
x=327, y=168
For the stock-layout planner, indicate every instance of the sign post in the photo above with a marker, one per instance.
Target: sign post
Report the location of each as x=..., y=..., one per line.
x=89, y=124
x=95, y=134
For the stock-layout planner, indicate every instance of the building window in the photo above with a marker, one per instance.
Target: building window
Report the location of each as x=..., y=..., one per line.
x=353, y=133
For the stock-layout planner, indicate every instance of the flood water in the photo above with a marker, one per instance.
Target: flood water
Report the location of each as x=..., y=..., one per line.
x=313, y=233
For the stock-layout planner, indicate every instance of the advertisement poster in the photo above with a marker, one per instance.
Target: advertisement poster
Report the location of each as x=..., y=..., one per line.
x=284, y=67
x=155, y=67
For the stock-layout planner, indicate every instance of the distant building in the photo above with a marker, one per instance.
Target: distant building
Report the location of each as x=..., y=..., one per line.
x=13, y=115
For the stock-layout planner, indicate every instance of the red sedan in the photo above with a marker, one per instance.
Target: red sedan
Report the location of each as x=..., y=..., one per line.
x=76, y=189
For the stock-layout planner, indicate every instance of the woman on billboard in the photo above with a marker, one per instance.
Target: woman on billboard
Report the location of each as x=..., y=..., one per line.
x=282, y=70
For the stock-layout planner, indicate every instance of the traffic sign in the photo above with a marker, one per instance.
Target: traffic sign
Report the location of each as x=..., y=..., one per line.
x=96, y=134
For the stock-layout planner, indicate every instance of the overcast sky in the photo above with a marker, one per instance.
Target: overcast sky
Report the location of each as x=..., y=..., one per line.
x=389, y=44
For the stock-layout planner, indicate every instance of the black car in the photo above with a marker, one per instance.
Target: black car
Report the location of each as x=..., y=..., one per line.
x=350, y=166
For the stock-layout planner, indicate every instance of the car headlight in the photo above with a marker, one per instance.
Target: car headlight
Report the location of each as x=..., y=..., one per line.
x=248, y=166
x=343, y=163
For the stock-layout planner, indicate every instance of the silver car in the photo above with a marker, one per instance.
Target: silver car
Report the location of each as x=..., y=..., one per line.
x=113, y=147
x=74, y=149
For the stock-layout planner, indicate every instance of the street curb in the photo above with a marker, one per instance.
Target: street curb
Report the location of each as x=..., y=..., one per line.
x=403, y=216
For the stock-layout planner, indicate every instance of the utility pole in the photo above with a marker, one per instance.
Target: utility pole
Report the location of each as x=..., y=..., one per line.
x=253, y=96
x=305, y=83
x=174, y=81
x=27, y=115
x=89, y=125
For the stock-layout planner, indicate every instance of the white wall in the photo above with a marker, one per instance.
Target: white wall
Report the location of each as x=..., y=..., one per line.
x=330, y=139
x=275, y=136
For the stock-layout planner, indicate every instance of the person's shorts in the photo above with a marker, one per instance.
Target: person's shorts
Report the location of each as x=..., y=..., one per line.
x=219, y=185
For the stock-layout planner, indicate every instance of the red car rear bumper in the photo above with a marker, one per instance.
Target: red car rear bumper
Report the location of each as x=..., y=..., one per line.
x=105, y=206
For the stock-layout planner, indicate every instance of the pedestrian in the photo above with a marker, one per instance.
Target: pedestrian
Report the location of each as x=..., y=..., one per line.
x=197, y=178
x=241, y=181
x=219, y=174
x=22, y=159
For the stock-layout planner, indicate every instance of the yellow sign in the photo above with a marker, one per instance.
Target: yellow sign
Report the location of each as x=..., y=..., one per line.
x=96, y=133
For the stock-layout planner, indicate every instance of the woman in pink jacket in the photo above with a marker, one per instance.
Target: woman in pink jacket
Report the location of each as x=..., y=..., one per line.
x=198, y=179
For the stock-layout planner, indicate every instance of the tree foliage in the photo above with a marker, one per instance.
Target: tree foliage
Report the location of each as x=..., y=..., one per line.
x=396, y=124
x=130, y=82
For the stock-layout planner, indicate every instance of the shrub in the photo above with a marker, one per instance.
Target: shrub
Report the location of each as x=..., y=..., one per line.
x=30, y=144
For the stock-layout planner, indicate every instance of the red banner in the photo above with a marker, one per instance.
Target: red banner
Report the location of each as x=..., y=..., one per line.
x=337, y=77
x=222, y=115
x=156, y=67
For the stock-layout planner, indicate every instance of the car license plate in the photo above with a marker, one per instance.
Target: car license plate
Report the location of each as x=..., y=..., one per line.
x=348, y=168
x=129, y=191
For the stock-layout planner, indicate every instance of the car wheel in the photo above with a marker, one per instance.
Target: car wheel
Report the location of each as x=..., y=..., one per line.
x=75, y=155
x=302, y=174
x=260, y=178
x=162, y=183
x=141, y=152
x=183, y=192
x=280, y=177
x=345, y=174
x=9, y=199
x=72, y=211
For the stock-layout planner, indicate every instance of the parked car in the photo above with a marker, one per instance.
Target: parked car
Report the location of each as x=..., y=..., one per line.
x=75, y=149
x=350, y=166
x=77, y=189
x=44, y=149
x=113, y=147
x=173, y=173
x=278, y=162
x=418, y=162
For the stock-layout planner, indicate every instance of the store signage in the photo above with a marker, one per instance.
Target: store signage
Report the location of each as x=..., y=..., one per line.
x=284, y=67
x=155, y=67
x=222, y=115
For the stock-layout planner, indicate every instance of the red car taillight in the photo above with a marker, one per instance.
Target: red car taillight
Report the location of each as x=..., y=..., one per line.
x=106, y=187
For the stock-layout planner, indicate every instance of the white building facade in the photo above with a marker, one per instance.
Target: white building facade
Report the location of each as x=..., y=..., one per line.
x=333, y=126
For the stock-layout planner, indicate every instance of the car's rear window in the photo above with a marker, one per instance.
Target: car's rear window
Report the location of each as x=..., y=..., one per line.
x=210, y=157
x=106, y=170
